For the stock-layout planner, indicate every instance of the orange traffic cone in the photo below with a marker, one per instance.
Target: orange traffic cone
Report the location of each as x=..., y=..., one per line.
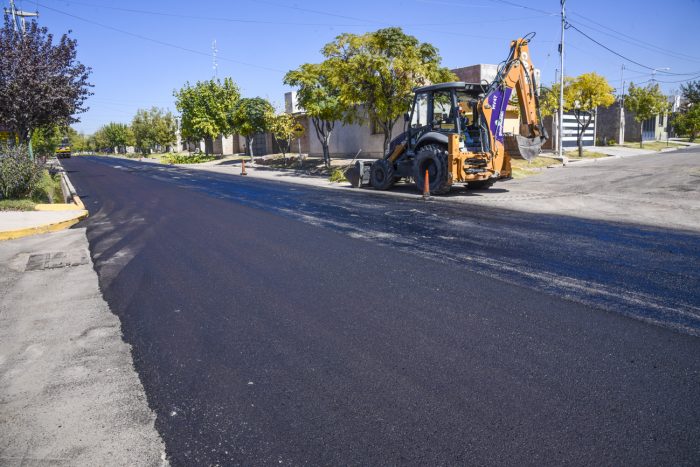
x=426, y=185
x=243, y=167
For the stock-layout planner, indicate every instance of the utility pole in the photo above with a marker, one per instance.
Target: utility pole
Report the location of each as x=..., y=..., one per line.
x=19, y=15
x=621, y=136
x=653, y=72
x=214, y=63
x=561, y=85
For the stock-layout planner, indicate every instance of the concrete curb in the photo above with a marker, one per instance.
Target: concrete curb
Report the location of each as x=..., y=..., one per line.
x=77, y=206
x=45, y=228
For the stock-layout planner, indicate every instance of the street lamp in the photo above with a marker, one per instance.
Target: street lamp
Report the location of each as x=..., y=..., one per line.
x=654, y=70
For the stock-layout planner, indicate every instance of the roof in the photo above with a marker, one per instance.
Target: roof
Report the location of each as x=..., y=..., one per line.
x=460, y=85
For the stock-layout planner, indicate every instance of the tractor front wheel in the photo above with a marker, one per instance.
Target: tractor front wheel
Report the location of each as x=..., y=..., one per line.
x=432, y=158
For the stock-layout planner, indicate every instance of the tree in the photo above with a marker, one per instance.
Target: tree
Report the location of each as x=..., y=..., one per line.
x=154, y=128
x=378, y=71
x=282, y=128
x=584, y=94
x=118, y=135
x=688, y=122
x=46, y=139
x=645, y=102
x=41, y=82
x=250, y=117
x=77, y=141
x=319, y=95
x=691, y=93
x=206, y=109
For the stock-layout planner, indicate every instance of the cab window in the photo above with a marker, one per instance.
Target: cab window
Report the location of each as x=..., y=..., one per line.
x=420, y=111
x=443, y=111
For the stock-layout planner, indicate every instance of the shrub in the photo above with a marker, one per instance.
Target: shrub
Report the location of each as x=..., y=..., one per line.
x=19, y=175
x=337, y=175
x=187, y=159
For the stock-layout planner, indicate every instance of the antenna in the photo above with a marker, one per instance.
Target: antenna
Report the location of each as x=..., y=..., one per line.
x=214, y=63
x=18, y=15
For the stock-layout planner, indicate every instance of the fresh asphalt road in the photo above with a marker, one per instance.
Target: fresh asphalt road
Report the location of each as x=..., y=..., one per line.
x=280, y=324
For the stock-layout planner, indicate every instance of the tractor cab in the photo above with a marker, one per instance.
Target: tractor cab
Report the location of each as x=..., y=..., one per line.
x=440, y=110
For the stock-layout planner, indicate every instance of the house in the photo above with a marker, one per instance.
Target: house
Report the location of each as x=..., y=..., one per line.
x=618, y=125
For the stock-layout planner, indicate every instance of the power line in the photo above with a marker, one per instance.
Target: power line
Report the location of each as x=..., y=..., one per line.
x=635, y=41
x=518, y=5
x=569, y=25
x=207, y=18
x=158, y=41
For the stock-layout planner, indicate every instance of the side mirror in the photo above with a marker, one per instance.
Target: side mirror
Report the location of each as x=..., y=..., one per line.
x=406, y=117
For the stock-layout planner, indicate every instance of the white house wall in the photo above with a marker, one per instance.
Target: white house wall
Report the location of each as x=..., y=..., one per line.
x=346, y=140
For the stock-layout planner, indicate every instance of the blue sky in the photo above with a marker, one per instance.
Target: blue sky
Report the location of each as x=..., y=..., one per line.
x=140, y=51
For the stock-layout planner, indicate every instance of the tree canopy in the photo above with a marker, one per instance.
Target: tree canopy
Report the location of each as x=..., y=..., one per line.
x=318, y=93
x=378, y=70
x=251, y=116
x=206, y=108
x=153, y=128
x=41, y=82
x=646, y=102
x=282, y=127
x=691, y=93
x=118, y=135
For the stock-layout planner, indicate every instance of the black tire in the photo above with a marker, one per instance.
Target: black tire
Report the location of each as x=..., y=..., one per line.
x=432, y=158
x=382, y=174
x=480, y=184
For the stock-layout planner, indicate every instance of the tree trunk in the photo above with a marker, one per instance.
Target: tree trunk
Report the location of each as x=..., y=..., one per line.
x=326, y=152
x=641, y=135
x=249, y=144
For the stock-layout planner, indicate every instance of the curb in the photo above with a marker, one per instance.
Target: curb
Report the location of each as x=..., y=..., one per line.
x=45, y=228
x=77, y=206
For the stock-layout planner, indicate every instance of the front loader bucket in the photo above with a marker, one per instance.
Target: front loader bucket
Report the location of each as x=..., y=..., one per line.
x=529, y=148
x=358, y=174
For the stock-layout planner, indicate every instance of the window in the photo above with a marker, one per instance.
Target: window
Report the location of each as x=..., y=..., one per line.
x=443, y=114
x=420, y=111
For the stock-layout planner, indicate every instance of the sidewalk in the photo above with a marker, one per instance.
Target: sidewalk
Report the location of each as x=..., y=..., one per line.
x=45, y=218
x=69, y=394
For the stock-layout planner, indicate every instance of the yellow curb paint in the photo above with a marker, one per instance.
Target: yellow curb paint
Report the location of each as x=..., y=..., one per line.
x=46, y=228
x=78, y=202
x=58, y=207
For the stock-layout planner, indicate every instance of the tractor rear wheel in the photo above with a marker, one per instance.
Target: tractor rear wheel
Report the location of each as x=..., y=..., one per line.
x=382, y=174
x=432, y=158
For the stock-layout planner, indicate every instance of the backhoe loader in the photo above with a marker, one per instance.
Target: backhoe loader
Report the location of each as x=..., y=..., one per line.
x=455, y=131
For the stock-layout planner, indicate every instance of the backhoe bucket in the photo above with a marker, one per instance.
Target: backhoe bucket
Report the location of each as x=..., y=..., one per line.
x=529, y=148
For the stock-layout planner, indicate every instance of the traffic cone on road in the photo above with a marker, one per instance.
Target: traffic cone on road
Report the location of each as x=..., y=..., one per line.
x=426, y=185
x=243, y=167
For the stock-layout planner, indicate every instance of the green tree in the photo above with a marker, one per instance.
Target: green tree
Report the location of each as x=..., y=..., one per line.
x=646, y=102
x=282, y=128
x=377, y=71
x=691, y=93
x=206, y=109
x=688, y=122
x=77, y=140
x=319, y=95
x=46, y=139
x=154, y=128
x=584, y=94
x=41, y=82
x=118, y=135
x=250, y=117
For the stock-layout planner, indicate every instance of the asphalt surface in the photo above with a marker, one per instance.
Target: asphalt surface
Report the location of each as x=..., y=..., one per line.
x=282, y=324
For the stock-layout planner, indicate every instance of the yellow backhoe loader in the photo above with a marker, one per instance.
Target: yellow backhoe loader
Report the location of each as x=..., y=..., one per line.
x=455, y=131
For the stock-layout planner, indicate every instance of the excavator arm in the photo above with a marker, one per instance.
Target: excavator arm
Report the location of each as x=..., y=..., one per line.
x=516, y=72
